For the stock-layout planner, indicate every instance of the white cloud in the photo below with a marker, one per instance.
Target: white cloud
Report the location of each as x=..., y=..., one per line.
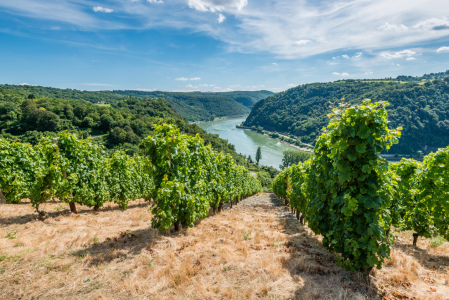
x=217, y=5
x=433, y=24
x=399, y=54
x=281, y=27
x=443, y=49
x=221, y=18
x=275, y=64
x=357, y=55
x=410, y=58
x=187, y=79
x=393, y=27
x=368, y=73
x=155, y=1
x=102, y=9
x=24, y=83
x=191, y=86
x=302, y=42
x=340, y=74
x=345, y=56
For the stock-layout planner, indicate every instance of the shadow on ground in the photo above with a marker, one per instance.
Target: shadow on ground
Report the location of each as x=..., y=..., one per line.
x=310, y=263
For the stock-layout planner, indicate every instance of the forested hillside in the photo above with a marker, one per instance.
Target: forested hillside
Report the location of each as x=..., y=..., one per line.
x=198, y=106
x=121, y=125
x=421, y=108
x=193, y=106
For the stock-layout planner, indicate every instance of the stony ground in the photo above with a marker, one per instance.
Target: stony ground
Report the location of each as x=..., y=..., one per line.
x=254, y=250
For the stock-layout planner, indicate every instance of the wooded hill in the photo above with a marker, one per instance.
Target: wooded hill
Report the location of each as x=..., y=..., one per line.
x=122, y=124
x=193, y=106
x=420, y=106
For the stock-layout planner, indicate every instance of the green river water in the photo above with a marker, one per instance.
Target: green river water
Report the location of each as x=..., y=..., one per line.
x=246, y=141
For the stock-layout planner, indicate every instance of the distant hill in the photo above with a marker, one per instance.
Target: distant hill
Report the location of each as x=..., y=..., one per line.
x=193, y=106
x=420, y=105
x=198, y=106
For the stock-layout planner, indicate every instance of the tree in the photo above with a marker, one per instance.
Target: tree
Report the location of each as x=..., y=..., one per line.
x=258, y=154
x=293, y=157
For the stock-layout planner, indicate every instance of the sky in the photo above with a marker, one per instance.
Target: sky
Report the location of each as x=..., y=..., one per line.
x=218, y=45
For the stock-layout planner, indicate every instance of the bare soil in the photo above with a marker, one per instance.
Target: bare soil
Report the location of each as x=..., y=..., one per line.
x=255, y=250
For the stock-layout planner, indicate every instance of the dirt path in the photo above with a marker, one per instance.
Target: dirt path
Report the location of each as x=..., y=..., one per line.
x=256, y=250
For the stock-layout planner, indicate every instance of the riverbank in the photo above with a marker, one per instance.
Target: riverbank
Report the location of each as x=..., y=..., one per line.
x=272, y=134
x=220, y=118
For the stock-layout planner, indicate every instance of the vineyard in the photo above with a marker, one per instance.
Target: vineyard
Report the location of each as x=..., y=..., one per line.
x=353, y=215
x=355, y=199
x=182, y=176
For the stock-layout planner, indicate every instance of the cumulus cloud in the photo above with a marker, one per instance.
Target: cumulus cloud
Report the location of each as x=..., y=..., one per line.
x=443, y=49
x=143, y=90
x=217, y=5
x=340, y=74
x=187, y=79
x=155, y=1
x=102, y=9
x=433, y=24
x=393, y=27
x=221, y=18
x=410, y=58
x=302, y=42
x=345, y=56
x=399, y=54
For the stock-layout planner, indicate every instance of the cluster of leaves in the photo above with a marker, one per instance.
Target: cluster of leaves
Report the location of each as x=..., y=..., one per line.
x=190, y=177
x=343, y=191
x=73, y=170
x=420, y=108
x=293, y=157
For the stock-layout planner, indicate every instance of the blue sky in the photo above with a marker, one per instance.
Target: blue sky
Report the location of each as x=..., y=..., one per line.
x=218, y=45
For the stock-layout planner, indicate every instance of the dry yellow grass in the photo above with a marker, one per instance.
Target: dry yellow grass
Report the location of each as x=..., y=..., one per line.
x=251, y=251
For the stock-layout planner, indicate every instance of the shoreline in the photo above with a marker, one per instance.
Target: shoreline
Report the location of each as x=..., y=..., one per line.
x=220, y=118
x=266, y=133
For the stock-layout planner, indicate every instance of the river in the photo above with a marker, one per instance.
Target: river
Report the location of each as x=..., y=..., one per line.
x=246, y=141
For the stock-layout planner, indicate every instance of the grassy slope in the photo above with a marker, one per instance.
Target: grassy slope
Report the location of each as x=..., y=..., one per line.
x=256, y=250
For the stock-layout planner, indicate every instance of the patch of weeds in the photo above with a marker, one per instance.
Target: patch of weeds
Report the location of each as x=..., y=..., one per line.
x=18, y=245
x=82, y=254
x=246, y=235
x=60, y=207
x=2, y=271
x=87, y=280
x=177, y=279
x=96, y=239
x=3, y=257
x=12, y=234
x=141, y=216
x=437, y=241
x=111, y=245
x=150, y=264
x=277, y=245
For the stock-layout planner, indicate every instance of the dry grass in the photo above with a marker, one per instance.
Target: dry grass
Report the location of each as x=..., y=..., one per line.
x=248, y=252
